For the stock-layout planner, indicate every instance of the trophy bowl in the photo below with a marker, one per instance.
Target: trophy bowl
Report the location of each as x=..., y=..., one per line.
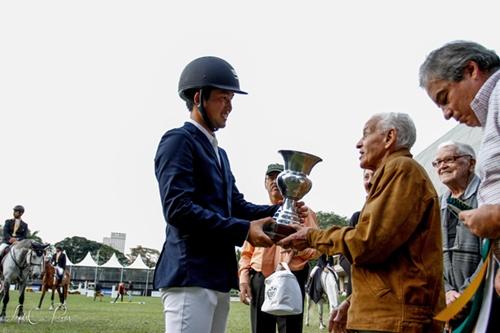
x=293, y=185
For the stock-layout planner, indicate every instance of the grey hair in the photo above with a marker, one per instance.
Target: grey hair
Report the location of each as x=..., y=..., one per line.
x=449, y=61
x=405, y=128
x=461, y=148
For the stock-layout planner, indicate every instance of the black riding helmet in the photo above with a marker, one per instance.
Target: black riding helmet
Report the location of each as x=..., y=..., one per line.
x=19, y=208
x=208, y=72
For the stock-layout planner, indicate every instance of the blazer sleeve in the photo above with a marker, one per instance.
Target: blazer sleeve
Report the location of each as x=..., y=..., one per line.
x=6, y=231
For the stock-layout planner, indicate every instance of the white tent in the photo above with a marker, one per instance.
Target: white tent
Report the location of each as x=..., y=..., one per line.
x=68, y=262
x=88, y=261
x=112, y=263
x=138, y=263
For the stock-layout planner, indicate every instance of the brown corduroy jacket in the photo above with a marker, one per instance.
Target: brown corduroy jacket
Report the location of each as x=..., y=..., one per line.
x=395, y=249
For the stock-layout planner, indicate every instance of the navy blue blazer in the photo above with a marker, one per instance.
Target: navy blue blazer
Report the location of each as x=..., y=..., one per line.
x=8, y=230
x=206, y=215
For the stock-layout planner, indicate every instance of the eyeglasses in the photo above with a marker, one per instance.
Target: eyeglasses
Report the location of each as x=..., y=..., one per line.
x=447, y=160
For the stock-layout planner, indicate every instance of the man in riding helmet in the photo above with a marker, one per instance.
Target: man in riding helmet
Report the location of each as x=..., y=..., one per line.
x=206, y=215
x=14, y=229
x=59, y=263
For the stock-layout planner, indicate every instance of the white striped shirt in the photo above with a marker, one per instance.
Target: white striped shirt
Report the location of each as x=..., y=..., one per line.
x=486, y=106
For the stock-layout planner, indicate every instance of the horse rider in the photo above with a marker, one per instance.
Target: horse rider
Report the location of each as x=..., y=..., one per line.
x=59, y=263
x=313, y=286
x=14, y=230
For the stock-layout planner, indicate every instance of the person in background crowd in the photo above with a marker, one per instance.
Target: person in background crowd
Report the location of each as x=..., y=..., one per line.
x=395, y=249
x=463, y=79
x=337, y=317
x=257, y=263
x=454, y=165
x=98, y=291
x=344, y=263
x=120, y=292
x=59, y=263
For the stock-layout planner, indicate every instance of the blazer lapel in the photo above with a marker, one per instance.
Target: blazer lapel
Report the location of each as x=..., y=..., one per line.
x=226, y=171
x=207, y=146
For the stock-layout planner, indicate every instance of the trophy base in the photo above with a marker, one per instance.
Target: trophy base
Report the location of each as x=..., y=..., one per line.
x=278, y=231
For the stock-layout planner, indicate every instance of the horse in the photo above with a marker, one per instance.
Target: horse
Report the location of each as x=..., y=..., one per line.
x=24, y=259
x=325, y=282
x=49, y=281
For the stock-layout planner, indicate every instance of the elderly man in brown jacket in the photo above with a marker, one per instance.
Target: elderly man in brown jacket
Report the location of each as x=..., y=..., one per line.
x=395, y=249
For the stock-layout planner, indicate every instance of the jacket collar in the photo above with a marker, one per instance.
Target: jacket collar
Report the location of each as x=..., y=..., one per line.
x=402, y=152
x=469, y=192
x=204, y=140
x=480, y=102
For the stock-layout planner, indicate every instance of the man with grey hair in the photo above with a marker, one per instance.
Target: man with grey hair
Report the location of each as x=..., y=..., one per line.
x=395, y=249
x=463, y=79
x=454, y=165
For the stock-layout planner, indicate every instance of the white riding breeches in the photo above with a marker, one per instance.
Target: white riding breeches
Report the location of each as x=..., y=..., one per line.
x=3, y=246
x=195, y=310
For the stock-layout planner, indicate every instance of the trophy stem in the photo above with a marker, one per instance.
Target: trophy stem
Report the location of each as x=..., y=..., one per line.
x=287, y=214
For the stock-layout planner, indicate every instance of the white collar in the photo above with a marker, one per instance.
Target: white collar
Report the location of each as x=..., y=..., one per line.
x=210, y=137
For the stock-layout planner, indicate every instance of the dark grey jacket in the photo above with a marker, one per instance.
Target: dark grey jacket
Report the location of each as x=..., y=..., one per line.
x=462, y=258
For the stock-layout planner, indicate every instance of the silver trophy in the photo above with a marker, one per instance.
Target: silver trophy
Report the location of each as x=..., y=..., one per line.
x=293, y=185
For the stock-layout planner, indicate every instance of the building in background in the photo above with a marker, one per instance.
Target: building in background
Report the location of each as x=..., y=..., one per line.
x=116, y=241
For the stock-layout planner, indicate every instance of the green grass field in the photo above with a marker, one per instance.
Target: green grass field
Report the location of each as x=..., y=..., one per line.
x=85, y=315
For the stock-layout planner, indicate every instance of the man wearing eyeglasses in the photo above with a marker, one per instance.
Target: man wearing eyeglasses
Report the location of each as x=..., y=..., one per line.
x=454, y=165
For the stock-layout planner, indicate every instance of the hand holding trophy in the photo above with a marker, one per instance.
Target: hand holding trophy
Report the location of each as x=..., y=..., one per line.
x=293, y=185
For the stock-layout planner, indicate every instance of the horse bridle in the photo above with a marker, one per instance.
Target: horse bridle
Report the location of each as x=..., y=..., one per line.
x=27, y=260
x=42, y=261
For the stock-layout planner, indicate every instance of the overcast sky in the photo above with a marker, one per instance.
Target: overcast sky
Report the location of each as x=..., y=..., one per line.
x=87, y=89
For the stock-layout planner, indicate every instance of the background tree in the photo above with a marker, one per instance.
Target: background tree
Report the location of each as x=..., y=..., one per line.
x=33, y=235
x=325, y=221
x=150, y=256
x=77, y=247
x=328, y=219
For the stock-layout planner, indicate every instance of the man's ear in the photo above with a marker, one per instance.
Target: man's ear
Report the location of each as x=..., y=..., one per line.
x=472, y=69
x=472, y=165
x=196, y=98
x=391, y=137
